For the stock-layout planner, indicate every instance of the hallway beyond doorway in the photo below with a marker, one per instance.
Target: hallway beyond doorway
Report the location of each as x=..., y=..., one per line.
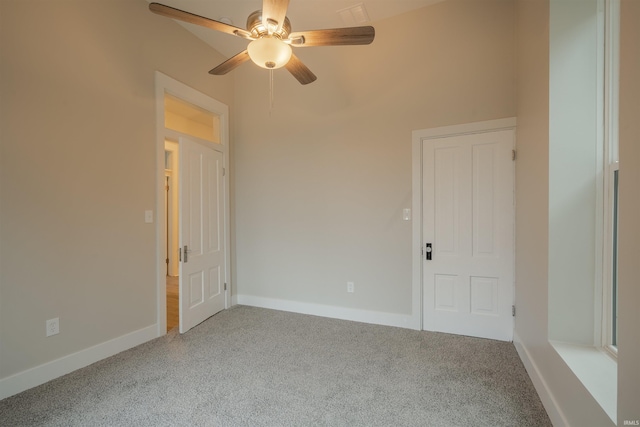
x=172, y=302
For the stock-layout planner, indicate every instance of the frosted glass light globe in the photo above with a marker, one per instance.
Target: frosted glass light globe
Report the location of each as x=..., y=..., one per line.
x=269, y=52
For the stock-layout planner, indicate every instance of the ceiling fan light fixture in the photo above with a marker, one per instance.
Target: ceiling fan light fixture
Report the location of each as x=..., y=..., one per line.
x=271, y=43
x=269, y=52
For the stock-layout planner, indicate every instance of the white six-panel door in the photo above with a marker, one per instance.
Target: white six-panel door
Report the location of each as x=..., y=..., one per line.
x=202, y=266
x=468, y=218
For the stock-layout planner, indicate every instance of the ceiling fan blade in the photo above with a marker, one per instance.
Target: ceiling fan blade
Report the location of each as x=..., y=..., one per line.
x=230, y=64
x=333, y=37
x=300, y=71
x=192, y=18
x=273, y=13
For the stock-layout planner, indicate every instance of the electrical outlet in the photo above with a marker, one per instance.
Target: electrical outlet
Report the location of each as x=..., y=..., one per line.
x=350, y=287
x=53, y=326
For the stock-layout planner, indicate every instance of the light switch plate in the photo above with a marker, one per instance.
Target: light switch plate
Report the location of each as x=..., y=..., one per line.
x=148, y=216
x=406, y=214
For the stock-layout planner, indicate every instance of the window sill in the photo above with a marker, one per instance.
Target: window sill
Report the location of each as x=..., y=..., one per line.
x=597, y=371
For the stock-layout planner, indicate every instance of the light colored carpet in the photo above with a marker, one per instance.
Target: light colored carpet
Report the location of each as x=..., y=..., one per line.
x=255, y=367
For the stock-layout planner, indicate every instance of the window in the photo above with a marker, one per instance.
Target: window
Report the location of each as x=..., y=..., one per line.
x=614, y=265
x=611, y=177
x=190, y=119
x=583, y=177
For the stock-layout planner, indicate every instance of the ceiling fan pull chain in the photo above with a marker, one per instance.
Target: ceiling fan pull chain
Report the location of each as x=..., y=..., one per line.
x=270, y=91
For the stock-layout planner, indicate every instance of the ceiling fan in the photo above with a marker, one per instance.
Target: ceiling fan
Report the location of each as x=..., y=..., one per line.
x=271, y=38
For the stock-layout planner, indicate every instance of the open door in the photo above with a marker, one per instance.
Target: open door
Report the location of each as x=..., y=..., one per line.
x=202, y=249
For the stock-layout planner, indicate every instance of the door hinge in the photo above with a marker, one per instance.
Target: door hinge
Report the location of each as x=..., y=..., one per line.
x=513, y=154
x=225, y=286
x=513, y=310
x=224, y=172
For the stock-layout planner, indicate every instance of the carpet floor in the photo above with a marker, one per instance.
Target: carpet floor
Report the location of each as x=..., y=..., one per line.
x=249, y=366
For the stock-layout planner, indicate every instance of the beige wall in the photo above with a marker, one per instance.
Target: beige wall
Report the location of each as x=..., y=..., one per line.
x=629, y=243
x=78, y=162
x=532, y=172
x=321, y=181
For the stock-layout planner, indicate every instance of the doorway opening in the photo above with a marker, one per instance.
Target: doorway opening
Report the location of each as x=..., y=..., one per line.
x=193, y=234
x=172, y=229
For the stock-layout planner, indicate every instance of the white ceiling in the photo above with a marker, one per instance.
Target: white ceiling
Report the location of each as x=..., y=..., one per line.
x=303, y=14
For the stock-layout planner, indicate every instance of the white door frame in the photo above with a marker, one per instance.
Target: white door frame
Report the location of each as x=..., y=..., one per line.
x=165, y=84
x=418, y=136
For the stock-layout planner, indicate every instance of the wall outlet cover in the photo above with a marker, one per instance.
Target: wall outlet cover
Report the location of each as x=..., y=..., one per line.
x=53, y=326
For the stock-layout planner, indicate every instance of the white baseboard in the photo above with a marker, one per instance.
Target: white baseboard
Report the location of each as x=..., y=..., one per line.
x=364, y=316
x=25, y=380
x=546, y=396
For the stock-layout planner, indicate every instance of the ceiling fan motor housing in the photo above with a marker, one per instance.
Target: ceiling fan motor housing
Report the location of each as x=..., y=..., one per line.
x=259, y=29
